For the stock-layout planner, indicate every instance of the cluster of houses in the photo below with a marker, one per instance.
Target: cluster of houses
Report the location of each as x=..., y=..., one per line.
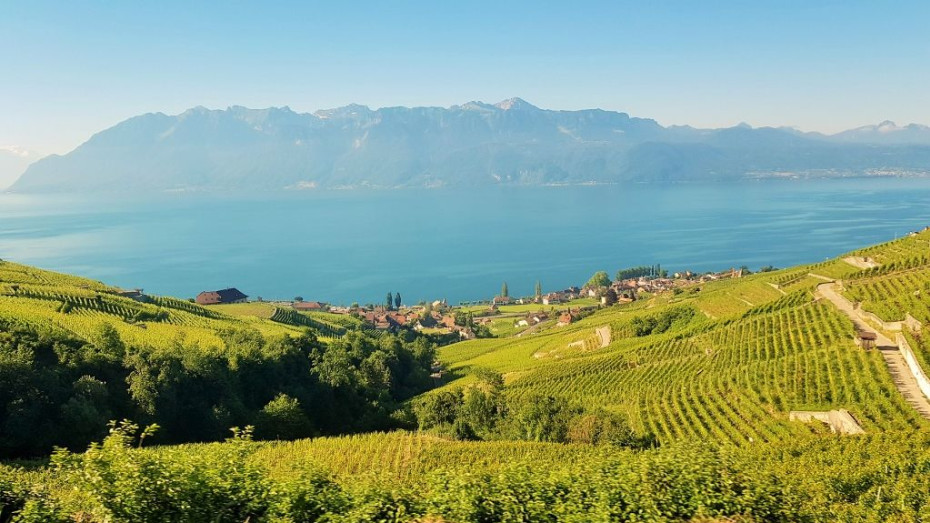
x=420, y=318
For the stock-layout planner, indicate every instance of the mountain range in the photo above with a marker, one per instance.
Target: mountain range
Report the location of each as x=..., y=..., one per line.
x=511, y=142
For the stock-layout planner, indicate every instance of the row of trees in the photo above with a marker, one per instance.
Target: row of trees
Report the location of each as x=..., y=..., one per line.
x=392, y=301
x=652, y=271
x=56, y=390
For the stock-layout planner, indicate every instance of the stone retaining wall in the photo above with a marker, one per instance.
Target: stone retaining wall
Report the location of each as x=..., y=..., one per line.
x=840, y=421
x=913, y=365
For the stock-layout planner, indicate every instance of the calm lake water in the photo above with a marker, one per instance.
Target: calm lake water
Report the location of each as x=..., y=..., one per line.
x=346, y=246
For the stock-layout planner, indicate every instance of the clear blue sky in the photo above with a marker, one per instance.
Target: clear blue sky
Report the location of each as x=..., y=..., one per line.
x=72, y=68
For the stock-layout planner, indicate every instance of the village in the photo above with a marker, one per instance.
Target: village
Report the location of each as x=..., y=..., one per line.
x=501, y=315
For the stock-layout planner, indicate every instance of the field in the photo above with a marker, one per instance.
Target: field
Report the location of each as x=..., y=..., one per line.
x=80, y=307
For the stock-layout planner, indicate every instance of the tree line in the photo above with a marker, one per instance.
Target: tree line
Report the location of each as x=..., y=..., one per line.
x=58, y=390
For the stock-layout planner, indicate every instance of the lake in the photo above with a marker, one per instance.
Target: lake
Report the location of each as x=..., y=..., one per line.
x=458, y=244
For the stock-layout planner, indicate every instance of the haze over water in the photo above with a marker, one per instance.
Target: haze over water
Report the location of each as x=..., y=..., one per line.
x=458, y=244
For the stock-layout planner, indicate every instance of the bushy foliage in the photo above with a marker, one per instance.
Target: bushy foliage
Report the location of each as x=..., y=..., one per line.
x=483, y=411
x=599, y=279
x=57, y=390
x=662, y=321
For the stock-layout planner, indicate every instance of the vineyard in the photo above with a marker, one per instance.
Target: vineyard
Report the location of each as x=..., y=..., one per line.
x=761, y=348
x=711, y=370
x=81, y=307
x=291, y=317
x=405, y=477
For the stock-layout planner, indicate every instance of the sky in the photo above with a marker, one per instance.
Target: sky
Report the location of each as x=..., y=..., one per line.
x=70, y=69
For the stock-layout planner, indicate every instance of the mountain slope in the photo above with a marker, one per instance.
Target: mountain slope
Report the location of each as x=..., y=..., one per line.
x=512, y=142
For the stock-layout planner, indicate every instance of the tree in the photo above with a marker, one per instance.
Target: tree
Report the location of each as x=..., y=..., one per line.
x=610, y=297
x=439, y=409
x=397, y=301
x=538, y=289
x=389, y=301
x=283, y=418
x=298, y=298
x=600, y=279
x=504, y=292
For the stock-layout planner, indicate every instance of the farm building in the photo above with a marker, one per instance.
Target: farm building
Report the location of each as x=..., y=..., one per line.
x=309, y=306
x=223, y=296
x=866, y=339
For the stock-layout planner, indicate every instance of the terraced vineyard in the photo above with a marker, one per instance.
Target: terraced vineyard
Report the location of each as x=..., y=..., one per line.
x=893, y=295
x=297, y=319
x=733, y=379
x=81, y=306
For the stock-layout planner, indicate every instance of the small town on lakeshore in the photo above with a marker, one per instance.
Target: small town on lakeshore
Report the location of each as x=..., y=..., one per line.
x=501, y=315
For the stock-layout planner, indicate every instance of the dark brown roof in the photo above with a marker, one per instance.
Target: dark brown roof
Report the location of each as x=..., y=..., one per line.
x=221, y=296
x=867, y=335
x=308, y=305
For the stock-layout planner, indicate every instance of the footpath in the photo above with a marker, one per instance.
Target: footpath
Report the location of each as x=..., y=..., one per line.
x=903, y=378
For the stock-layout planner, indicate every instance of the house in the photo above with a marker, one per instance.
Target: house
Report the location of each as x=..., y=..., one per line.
x=448, y=321
x=231, y=295
x=866, y=340
x=309, y=306
x=501, y=300
x=426, y=322
x=564, y=319
x=132, y=294
x=552, y=298
x=522, y=323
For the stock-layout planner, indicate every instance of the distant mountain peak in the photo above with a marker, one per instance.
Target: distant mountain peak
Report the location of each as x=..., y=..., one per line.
x=515, y=104
x=348, y=111
x=195, y=110
x=476, y=106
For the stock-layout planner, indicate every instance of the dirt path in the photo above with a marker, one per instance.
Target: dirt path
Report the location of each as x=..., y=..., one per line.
x=860, y=262
x=900, y=373
x=777, y=288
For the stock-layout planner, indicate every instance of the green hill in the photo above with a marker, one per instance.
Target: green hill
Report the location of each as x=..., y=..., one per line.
x=674, y=407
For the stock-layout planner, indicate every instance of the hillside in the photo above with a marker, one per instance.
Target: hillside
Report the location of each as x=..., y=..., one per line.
x=512, y=142
x=683, y=411
x=76, y=353
x=738, y=356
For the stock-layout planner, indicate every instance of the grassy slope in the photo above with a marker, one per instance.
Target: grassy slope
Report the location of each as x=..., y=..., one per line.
x=35, y=296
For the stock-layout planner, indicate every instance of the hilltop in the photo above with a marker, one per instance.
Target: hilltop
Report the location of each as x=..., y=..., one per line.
x=474, y=144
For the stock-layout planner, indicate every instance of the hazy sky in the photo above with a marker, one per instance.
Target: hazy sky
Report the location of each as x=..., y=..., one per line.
x=70, y=69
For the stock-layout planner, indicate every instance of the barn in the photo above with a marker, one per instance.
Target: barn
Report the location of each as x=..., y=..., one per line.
x=231, y=295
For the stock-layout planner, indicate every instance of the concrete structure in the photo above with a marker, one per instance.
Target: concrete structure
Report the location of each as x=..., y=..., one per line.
x=840, y=421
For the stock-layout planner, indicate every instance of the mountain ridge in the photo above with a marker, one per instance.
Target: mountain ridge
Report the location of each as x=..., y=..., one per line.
x=511, y=142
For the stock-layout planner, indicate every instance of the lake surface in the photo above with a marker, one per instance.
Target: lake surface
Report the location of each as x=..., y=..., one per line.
x=345, y=246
